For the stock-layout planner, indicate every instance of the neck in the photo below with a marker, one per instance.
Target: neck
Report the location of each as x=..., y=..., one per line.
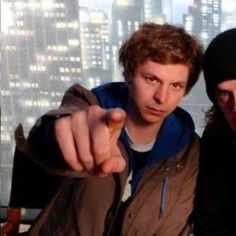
x=141, y=133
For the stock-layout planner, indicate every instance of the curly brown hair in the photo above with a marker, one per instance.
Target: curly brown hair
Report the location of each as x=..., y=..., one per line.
x=165, y=44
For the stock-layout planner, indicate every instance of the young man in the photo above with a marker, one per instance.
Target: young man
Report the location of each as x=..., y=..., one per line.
x=215, y=211
x=138, y=150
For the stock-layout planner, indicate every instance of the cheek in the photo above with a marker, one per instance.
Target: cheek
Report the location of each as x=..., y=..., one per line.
x=140, y=94
x=225, y=108
x=227, y=114
x=223, y=101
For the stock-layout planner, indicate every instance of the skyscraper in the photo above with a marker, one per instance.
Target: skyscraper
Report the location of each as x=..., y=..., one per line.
x=40, y=57
x=95, y=47
x=204, y=19
x=126, y=17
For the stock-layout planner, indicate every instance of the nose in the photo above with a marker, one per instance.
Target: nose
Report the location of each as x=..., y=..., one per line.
x=161, y=93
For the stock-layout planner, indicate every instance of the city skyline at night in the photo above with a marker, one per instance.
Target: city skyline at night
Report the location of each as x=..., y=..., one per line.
x=49, y=45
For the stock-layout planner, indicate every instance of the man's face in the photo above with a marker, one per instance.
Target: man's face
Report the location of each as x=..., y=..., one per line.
x=156, y=90
x=226, y=98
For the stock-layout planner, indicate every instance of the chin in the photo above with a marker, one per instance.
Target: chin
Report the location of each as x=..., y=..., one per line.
x=154, y=119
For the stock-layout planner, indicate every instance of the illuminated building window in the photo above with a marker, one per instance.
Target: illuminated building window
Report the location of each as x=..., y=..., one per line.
x=204, y=9
x=10, y=47
x=19, y=13
x=43, y=103
x=5, y=92
x=19, y=23
x=73, y=42
x=65, y=78
x=30, y=120
x=73, y=25
x=37, y=68
x=33, y=5
x=59, y=48
x=19, y=5
x=28, y=103
x=5, y=119
x=60, y=25
x=204, y=35
x=60, y=5
x=5, y=137
x=40, y=58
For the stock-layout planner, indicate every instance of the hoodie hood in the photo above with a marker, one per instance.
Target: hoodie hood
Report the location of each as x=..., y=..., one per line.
x=176, y=130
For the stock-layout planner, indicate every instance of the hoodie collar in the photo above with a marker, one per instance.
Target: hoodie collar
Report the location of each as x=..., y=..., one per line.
x=176, y=131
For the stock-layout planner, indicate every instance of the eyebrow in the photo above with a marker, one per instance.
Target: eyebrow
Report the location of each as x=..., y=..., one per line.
x=222, y=90
x=158, y=78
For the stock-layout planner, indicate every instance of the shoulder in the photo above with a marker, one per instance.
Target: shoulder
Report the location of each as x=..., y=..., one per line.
x=75, y=98
x=110, y=95
x=78, y=91
x=186, y=161
x=192, y=150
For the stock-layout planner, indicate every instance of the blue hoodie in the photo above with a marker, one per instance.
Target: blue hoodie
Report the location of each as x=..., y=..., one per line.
x=176, y=131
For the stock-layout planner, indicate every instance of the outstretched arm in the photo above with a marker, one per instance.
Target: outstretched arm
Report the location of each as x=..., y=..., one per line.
x=77, y=137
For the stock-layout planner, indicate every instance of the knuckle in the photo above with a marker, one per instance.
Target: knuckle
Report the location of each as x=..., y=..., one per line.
x=72, y=162
x=88, y=164
x=101, y=154
x=94, y=110
x=62, y=122
x=78, y=116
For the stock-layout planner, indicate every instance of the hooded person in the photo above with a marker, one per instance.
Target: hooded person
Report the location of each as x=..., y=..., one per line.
x=129, y=152
x=215, y=208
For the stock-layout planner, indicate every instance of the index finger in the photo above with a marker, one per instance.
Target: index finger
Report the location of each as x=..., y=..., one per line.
x=115, y=120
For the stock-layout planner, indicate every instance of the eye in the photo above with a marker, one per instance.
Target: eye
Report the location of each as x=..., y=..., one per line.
x=177, y=86
x=222, y=93
x=150, y=79
x=223, y=96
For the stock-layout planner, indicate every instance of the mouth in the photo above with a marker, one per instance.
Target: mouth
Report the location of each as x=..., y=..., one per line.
x=156, y=112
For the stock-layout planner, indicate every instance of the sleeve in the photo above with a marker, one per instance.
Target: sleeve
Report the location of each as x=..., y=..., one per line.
x=41, y=145
x=210, y=216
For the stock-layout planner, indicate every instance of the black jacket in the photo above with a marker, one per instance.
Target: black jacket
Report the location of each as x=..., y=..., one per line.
x=215, y=208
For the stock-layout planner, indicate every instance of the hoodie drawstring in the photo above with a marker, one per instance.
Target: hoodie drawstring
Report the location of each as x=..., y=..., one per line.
x=163, y=196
